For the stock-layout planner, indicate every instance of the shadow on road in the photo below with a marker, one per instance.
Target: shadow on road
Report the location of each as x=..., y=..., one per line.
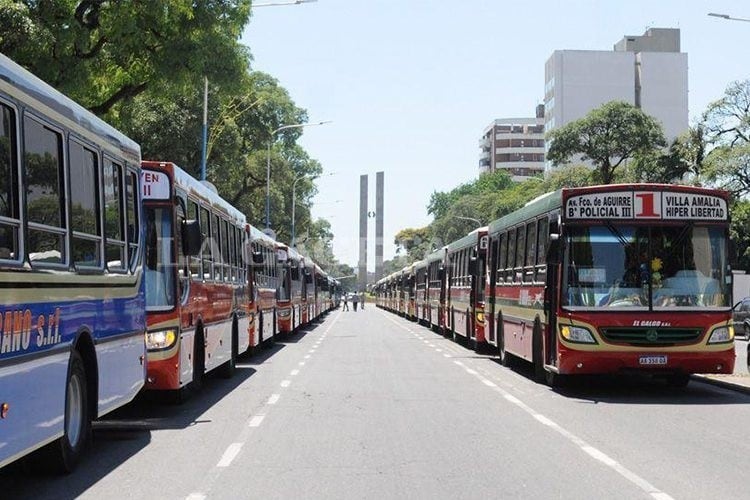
x=632, y=388
x=123, y=433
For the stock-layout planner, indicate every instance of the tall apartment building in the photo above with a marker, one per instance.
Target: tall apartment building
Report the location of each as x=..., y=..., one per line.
x=648, y=71
x=515, y=145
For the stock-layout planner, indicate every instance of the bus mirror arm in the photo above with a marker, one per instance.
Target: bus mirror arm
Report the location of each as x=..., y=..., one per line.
x=192, y=239
x=553, y=249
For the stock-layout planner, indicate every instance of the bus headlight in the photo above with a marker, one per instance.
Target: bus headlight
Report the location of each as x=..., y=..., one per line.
x=161, y=339
x=577, y=334
x=721, y=334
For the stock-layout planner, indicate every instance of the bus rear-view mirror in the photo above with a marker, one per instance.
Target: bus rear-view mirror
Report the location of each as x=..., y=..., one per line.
x=192, y=239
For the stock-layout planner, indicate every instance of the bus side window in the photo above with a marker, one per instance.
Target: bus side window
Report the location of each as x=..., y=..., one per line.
x=494, y=248
x=114, y=217
x=84, y=206
x=520, y=253
x=511, y=256
x=9, y=194
x=43, y=167
x=216, y=243
x=195, y=260
x=134, y=231
x=502, y=257
x=528, y=272
x=225, y=250
x=207, y=245
x=183, y=270
x=541, y=254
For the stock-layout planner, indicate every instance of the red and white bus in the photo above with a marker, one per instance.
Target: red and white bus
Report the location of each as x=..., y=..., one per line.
x=465, y=283
x=265, y=280
x=196, y=280
x=289, y=298
x=614, y=278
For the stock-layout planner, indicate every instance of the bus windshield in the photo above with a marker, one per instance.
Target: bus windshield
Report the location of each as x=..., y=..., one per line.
x=159, y=265
x=646, y=267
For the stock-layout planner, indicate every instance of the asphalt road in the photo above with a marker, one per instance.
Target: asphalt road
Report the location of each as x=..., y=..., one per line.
x=368, y=405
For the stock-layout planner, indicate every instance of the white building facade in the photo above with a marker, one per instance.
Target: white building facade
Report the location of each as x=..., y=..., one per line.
x=515, y=145
x=648, y=71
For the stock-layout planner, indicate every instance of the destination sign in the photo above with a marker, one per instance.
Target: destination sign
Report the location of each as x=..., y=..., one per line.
x=154, y=185
x=646, y=205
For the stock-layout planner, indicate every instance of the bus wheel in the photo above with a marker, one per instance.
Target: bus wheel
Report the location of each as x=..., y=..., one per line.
x=63, y=455
x=199, y=362
x=554, y=379
x=678, y=380
x=227, y=369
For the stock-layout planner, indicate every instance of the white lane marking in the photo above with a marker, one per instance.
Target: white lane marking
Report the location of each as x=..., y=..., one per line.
x=273, y=399
x=231, y=452
x=294, y=372
x=470, y=371
x=446, y=355
x=256, y=420
x=598, y=455
x=285, y=383
x=311, y=351
x=488, y=383
x=196, y=496
x=301, y=363
x=545, y=420
x=307, y=356
x=438, y=350
x=588, y=449
x=458, y=363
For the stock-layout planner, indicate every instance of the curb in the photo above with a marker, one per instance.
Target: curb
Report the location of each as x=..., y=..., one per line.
x=721, y=383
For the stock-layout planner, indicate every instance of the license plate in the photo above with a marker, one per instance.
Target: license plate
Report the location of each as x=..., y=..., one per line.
x=652, y=360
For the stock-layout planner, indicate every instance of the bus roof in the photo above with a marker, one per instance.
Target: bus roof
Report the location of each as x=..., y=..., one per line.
x=14, y=78
x=470, y=239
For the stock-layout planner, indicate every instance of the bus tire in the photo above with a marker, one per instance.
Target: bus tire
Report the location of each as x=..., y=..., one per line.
x=199, y=361
x=62, y=455
x=227, y=370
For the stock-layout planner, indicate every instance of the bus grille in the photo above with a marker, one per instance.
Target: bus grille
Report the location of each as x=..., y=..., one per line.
x=655, y=337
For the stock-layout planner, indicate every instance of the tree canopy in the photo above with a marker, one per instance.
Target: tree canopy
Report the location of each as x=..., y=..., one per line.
x=727, y=132
x=141, y=66
x=607, y=136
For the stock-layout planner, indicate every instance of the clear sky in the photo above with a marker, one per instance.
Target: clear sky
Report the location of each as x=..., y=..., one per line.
x=411, y=84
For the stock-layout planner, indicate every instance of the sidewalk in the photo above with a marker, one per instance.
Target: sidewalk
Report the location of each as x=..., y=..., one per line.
x=740, y=379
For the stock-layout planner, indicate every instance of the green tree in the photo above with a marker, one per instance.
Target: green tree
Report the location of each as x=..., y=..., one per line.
x=739, y=233
x=607, y=136
x=727, y=126
x=682, y=162
x=103, y=53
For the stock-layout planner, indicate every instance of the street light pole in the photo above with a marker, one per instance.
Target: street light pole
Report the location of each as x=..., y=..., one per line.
x=268, y=164
x=728, y=17
x=294, y=203
x=472, y=219
x=275, y=4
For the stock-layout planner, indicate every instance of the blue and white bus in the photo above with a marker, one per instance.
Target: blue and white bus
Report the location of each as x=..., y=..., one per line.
x=72, y=311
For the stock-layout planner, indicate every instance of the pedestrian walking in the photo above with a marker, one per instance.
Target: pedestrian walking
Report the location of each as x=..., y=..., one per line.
x=355, y=300
x=346, y=304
